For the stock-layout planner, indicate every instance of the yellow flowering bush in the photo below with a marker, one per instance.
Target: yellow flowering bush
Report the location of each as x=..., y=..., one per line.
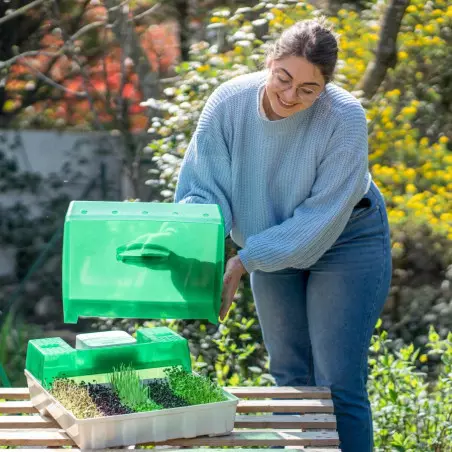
x=410, y=128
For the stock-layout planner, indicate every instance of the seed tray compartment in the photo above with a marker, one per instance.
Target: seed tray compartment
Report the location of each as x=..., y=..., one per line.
x=211, y=419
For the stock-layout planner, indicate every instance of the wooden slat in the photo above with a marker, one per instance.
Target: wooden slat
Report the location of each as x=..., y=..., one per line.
x=262, y=438
x=286, y=392
x=14, y=393
x=19, y=407
x=167, y=449
x=26, y=422
x=255, y=438
x=44, y=437
x=304, y=421
x=285, y=406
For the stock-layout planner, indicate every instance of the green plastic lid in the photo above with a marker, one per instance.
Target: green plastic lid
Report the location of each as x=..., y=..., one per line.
x=157, y=347
x=142, y=260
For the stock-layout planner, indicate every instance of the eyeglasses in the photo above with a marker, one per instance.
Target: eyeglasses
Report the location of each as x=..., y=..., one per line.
x=283, y=82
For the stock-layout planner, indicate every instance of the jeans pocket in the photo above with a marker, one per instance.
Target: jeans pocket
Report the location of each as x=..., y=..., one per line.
x=362, y=212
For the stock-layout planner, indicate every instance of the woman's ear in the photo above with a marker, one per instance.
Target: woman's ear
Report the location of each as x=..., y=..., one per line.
x=268, y=62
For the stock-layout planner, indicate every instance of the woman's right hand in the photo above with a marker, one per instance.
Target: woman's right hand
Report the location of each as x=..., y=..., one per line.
x=232, y=275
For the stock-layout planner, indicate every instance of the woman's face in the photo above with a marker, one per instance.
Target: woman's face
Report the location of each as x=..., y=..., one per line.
x=293, y=85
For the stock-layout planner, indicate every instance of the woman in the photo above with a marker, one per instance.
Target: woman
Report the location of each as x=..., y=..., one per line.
x=284, y=154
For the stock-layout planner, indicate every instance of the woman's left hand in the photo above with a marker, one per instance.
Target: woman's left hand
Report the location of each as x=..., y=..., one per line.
x=232, y=275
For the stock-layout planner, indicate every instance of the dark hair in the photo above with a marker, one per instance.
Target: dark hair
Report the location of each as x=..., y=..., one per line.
x=310, y=39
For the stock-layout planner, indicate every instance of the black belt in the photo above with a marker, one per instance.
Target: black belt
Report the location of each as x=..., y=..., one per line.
x=364, y=202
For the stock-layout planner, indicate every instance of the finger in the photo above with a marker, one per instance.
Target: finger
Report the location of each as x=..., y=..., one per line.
x=225, y=309
x=225, y=296
x=228, y=297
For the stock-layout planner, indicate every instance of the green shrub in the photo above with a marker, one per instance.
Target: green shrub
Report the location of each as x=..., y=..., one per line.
x=410, y=413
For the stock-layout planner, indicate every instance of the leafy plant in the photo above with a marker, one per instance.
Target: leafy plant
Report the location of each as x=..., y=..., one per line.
x=131, y=391
x=75, y=398
x=411, y=414
x=194, y=389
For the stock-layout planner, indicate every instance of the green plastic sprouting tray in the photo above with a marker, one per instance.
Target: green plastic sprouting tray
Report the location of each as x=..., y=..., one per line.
x=142, y=260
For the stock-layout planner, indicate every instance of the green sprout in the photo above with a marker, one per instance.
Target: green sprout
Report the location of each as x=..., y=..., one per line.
x=75, y=398
x=132, y=393
x=194, y=389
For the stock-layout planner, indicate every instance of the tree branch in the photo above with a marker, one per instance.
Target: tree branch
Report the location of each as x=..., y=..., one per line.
x=22, y=10
x=29, y=53
x=86, y=28
x=148, y=79
x=51, y=82
x=151, y=10
x=386, y=54
x=60, y=52
x=85, y=76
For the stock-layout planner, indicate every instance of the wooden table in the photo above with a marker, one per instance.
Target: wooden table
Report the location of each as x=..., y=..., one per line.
x=309, y=425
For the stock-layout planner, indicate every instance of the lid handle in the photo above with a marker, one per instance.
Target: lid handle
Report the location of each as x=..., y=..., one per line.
x=142, y=254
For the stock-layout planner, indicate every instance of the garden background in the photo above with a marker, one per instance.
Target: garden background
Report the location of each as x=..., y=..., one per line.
x=98, y=100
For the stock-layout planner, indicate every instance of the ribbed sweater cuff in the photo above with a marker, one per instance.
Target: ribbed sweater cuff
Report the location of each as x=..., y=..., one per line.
x=247, y=262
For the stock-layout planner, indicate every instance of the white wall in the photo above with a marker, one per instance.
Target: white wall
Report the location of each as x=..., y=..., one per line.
x=74, y=158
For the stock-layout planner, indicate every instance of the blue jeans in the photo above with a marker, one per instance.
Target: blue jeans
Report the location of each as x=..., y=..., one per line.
x=317, y=323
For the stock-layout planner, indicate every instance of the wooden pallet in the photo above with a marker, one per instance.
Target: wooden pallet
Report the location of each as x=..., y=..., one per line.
x=309, y=424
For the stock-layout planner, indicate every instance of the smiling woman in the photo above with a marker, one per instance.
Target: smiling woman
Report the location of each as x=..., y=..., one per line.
x=286, y=94
x=284, y=154
x=300, y=64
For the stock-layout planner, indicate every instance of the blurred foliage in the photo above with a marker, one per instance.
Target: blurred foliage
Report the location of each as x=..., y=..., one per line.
x=409, y=130
x=76, y=49
x=14, y=337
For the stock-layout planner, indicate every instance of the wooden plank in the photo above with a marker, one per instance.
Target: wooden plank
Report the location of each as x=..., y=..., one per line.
x=19, y=407
x=26, y=422
x=260, y=438
x=304, y=421
x=44, y=437
x=122, y=449
x=14, y=393
x=285, y=392
x=286, y=406
x=168, y=449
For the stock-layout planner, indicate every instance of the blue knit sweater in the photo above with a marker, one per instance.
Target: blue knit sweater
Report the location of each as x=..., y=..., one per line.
x=286, y=188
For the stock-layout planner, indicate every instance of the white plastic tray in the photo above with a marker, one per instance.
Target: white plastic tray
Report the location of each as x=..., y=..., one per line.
x=213, y=419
